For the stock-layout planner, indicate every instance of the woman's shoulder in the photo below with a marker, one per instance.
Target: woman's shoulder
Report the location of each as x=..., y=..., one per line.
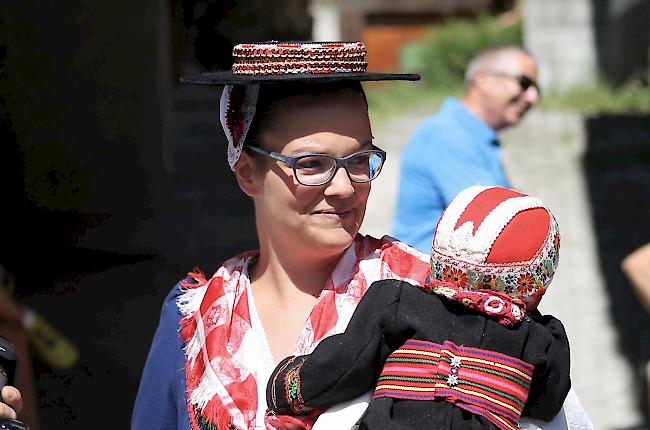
x=388, y=245
x=391, y=258
x=187, y=294
x=234, y=265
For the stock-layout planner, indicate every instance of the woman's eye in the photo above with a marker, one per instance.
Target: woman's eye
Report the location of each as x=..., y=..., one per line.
x=359, y=161
x=311, y=163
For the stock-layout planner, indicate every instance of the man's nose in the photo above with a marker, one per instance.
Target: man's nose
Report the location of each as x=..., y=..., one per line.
x=531, y=95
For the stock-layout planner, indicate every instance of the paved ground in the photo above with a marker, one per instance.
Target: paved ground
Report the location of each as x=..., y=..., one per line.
x=549, y=166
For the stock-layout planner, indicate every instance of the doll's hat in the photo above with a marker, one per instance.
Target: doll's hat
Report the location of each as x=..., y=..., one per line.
x=494, y=238
x=269, y=62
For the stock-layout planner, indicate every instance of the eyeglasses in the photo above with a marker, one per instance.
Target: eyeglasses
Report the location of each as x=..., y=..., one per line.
x=524, y=81
x=319, y=169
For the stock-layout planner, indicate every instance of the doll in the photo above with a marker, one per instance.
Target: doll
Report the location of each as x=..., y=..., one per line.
x=466, y=349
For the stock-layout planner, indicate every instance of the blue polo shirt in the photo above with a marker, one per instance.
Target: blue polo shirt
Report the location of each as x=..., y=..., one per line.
x=448, y=152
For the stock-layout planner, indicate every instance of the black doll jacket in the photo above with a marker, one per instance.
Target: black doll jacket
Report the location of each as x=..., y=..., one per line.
x=434, y=364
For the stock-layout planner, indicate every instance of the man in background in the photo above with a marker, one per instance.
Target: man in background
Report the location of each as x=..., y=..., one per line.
x=457, y=147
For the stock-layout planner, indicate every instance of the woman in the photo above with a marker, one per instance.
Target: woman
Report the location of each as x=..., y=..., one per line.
x=300, y=145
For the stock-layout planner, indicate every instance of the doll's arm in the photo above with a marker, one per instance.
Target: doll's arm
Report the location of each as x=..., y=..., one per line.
x=343, y=366
x=551, y=382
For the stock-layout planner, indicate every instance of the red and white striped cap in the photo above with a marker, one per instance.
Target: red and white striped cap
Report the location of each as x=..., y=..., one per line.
x=493, y=238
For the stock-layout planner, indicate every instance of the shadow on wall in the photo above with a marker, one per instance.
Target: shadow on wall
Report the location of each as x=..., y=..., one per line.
x=617, y=166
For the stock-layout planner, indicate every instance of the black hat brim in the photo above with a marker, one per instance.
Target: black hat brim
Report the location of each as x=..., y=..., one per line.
x=228, y=78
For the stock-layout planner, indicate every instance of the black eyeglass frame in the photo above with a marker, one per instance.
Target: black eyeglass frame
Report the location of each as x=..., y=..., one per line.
x=340, y=162
x=524, y=81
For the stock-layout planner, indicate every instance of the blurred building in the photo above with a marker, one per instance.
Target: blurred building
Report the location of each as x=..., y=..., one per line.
x=577, y=42
x=385, y=25
x=580, y=41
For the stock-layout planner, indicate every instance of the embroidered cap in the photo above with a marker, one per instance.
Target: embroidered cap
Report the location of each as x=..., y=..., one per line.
x=272, y=62
x=493, y=238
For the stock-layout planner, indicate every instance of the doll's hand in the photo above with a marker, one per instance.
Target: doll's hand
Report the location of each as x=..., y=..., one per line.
x=273, y=421
x=283, y=422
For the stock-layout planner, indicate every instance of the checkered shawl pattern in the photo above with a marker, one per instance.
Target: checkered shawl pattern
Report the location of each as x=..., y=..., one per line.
x=486, y=383
x=216, y=325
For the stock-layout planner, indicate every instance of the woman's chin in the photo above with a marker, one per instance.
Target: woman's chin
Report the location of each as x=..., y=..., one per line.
x=333, y=240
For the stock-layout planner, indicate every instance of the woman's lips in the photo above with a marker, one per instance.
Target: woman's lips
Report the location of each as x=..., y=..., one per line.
x=334, y=213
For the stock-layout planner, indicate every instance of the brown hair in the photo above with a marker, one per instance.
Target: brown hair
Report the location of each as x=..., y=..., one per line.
x=272, y=93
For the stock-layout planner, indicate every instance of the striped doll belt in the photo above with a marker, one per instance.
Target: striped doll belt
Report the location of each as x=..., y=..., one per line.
x=487, y=383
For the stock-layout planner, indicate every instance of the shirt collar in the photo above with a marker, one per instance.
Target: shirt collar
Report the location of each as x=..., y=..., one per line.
x=468, y=119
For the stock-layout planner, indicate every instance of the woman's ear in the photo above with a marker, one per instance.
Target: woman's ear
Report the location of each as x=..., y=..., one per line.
x=247, y=174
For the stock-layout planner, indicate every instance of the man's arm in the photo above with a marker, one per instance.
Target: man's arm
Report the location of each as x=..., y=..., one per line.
x=636, y=267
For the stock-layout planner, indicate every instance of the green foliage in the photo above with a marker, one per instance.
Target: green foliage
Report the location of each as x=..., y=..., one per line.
x=441, y=58
x=398, y=98
x=632, y=98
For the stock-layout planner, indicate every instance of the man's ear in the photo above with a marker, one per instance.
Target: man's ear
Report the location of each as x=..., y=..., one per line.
x=246, y=172
x=479, y=80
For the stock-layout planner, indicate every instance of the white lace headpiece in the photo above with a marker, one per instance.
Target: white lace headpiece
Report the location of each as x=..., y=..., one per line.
x=236, y=112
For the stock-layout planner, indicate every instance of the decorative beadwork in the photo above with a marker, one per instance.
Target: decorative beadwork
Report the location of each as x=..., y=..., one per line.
x=507, y=310
x=452, y=380
x=278, y=58
x=292, y=389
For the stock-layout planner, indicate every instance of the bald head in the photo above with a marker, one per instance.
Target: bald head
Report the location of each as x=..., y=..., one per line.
x=497, y=59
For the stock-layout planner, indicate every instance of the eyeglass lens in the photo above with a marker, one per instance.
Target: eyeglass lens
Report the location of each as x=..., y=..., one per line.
x=319, y=169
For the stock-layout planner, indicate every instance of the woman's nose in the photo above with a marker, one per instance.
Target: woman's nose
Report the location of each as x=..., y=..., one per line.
x=340, y=184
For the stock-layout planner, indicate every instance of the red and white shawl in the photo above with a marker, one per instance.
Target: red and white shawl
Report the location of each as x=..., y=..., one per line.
x=216, y=325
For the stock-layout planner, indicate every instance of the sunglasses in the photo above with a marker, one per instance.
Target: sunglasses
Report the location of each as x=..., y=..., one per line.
x=524, y=81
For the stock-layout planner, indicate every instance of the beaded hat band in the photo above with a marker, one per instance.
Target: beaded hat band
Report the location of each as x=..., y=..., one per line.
x=292, y=58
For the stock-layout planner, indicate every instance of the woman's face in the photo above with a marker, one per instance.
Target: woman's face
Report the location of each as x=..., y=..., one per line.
x=317, y=220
